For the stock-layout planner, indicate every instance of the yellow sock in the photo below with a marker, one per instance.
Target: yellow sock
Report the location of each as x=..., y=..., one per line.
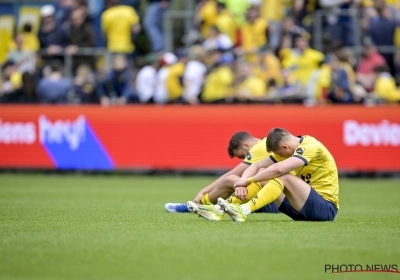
x=205, y=199
x=271, y=191
x=252, y=190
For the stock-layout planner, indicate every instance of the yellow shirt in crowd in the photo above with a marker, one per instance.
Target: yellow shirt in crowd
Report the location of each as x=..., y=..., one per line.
x=273, y=10
x=385, y=88
x=254, y=36
x=270, y=69
x=227, y=24
x=174, y=80
x=208, y=15
x=302, y=65
x=254, y=87
x=218, y=84
x=117, y=24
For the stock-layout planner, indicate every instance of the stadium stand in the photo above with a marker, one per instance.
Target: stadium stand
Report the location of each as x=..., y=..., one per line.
x=262, y=51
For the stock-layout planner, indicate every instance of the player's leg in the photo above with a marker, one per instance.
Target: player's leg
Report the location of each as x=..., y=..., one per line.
x=239, y=213
x=223, y=189
x=295, y=198
x=303, y=203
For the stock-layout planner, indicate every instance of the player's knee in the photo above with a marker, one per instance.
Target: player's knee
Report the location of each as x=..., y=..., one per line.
x=288, y=180
x=229, y=182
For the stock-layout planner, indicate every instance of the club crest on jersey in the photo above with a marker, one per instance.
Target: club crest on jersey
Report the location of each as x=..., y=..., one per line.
x=249, y=156
x=300, y=151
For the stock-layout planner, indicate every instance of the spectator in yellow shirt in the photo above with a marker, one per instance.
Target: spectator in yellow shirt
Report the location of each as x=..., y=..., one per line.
x=174, y=81
x=302, y=60
x=218, y=84
x=254, y=33
x=226, y=22
x=205, y=16
x=269, y=68
x=118, y=22
x=385, y=85
x=30, y=41
x=250, y=88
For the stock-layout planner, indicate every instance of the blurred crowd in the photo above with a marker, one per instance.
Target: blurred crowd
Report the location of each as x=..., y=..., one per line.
x=238, y=51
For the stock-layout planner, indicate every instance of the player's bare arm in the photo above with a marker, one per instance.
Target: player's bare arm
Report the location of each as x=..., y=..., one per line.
x=273, y=171
x=224, y=180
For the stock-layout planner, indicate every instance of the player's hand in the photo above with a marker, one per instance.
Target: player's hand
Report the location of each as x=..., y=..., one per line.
x=241, y=193
x=241, y=183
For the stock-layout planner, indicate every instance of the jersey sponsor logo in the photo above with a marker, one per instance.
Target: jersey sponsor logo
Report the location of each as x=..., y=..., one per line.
x=249, y=156
x=300, y=151
x=384, y=133
x=17, y=133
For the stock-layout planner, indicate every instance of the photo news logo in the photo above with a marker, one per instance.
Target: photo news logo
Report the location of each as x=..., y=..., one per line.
x=344, y=268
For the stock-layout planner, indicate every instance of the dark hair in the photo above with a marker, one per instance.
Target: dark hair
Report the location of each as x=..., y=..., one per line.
x=274, y=138
x=27, y=27
x=237, y=140
x=56, y=66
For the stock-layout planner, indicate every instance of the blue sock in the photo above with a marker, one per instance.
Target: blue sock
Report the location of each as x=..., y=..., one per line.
x=182, y=208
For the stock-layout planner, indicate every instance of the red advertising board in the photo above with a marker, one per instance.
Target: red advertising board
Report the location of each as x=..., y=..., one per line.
x=188, y=137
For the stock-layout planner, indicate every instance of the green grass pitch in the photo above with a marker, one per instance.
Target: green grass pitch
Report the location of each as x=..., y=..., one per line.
x=115, y=227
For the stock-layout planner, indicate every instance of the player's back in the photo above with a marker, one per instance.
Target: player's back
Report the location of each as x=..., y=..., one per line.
x=320, y=170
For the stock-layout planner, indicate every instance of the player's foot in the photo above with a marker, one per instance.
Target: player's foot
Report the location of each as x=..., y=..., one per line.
x=177, y=208
x=233, y=210
x=207, y=211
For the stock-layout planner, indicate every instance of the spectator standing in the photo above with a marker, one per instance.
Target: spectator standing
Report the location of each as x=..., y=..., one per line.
x=254, y=34
x=116, y=89
x=194, y=75
x=161, y=95
x=146, y=79
x=274, y=12
x=385, y=85
x=54, y=88
x=289, y=32
x=303, y=12
x=342, y=26
x=52, y=36
x=205, y=16
x=218, y=84
x=153, y=21
x=63, y=9
x=365, y=69
x=340, y=87
x=226, y=22
x=302, y=60
x=30, y=41
x=118, y=23
x=382, y=31
x=81, y=35
x=174, y=81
